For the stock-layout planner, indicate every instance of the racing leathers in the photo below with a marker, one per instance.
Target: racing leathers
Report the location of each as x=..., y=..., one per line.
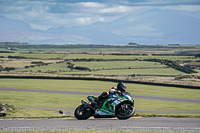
x=104, y=95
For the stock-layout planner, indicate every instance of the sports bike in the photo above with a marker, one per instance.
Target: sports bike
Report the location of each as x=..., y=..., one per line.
x=118, y=105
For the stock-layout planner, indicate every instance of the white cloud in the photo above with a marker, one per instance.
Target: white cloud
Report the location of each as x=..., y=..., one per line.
x=182, y=7
x=165, y=2
x=84, y=21
x=91, y=4
x=116, y=9
x=152, y=2
x=46, y=14
x=101, y=19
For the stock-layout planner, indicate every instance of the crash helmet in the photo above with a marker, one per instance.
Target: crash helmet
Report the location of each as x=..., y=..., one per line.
x=121, y=87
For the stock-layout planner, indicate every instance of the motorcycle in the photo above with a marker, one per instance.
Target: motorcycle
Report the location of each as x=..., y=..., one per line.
x=118, y=105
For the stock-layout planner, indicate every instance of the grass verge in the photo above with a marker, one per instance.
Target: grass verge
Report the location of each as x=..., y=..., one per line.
x=34, y=99
x=174, y=115
x=98, y=86
x=13, y=111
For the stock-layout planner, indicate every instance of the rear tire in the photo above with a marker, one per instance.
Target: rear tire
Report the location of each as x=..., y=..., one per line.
x=124, y=111
x=83, y=113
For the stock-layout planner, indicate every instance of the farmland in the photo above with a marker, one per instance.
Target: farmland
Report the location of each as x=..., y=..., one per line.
x=153, y=68
x=157, y=64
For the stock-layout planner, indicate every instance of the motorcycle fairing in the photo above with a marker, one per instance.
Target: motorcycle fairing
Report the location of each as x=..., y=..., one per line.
x=108, y=107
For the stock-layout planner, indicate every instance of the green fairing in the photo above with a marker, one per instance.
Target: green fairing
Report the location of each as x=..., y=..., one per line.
x=92, y=97
x=111, y=109
x=119, y=105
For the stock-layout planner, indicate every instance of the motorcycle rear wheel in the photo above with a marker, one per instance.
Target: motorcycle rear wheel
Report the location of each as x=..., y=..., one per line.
x=124, y=111
x=83, y=113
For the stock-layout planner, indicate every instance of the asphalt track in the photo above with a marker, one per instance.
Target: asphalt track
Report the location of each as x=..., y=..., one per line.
x=106, y=124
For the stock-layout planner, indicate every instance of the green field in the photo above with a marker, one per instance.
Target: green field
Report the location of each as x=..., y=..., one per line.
x=98, y=86
x=47, y=68
x=108, y=64
x=41, y=55
x=16, y=63
x=34, y=99
x=109, y=68
x=119, y=64
x=101, y=61
x=34, y=55
x=107, y=56
x=152, y=72
x=93, y=56
x=7, y=54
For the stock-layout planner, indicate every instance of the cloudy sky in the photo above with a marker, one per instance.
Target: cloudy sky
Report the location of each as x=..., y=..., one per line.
x=44, y=14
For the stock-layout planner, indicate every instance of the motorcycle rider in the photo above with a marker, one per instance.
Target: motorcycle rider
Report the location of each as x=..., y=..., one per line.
x=121, y=88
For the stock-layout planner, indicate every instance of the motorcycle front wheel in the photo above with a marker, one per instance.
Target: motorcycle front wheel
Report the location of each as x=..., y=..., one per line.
x=83, y=113
x=124, y=111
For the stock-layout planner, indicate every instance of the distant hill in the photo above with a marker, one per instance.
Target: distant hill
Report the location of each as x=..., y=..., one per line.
x=154, y=28
x=151, y=27
x=18, y=31
x=12, y=24
x=166, y=27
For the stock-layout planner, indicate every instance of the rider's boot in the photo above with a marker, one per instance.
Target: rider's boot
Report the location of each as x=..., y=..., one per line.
x=94, y=104
x=98, y=102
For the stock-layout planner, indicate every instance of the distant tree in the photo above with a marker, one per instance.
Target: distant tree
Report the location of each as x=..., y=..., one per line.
x=197, y=56
x=133, y=44
x=1, y=68
x=37, y=62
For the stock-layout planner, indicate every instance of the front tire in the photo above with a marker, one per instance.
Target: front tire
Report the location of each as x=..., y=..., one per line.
x=124, y=111
x=83, y=113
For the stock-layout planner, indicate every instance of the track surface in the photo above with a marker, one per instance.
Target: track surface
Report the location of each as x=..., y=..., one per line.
x=134, y=124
